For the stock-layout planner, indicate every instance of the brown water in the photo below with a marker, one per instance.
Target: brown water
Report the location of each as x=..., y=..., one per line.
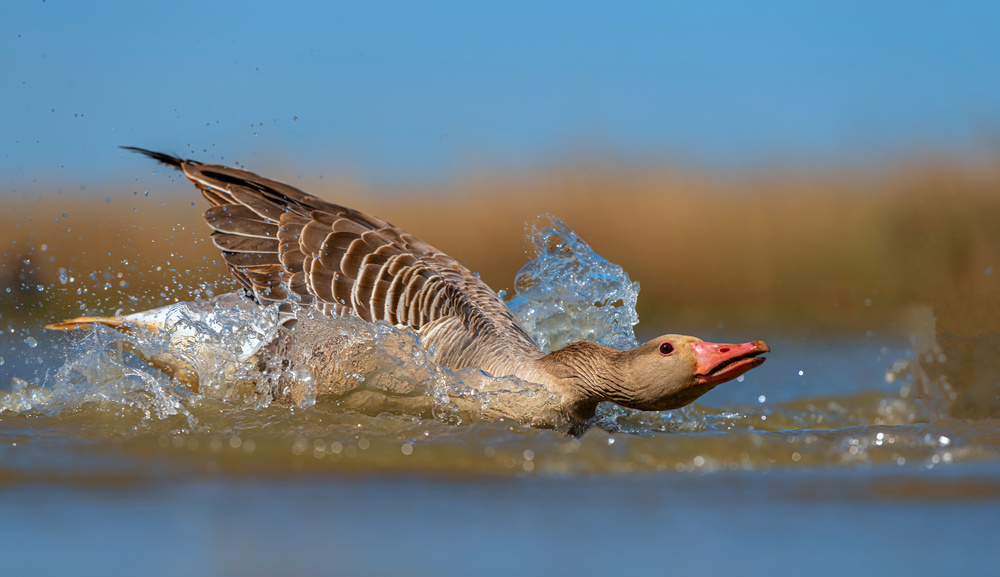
x=840, y=454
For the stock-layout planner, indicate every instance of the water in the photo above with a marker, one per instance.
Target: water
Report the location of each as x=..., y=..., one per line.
x=837, y=455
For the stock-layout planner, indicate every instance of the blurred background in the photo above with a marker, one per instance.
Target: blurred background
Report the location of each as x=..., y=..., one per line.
x=822, y=166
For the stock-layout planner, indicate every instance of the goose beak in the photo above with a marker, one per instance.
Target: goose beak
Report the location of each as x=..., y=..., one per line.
x=719, y=363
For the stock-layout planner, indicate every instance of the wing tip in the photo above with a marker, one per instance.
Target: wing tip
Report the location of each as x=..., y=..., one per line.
x=161, y=157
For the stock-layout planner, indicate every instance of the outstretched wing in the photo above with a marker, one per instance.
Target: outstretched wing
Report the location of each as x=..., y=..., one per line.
x=282, y=243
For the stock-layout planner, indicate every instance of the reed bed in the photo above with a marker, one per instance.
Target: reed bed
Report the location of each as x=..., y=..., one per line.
x=847, y=249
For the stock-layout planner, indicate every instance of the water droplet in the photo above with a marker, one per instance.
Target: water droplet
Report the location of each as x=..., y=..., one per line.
x=762, y=398
x=407, y=449
x=31, y=342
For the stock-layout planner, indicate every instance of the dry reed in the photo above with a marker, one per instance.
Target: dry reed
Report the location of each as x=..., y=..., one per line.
x=844, y=250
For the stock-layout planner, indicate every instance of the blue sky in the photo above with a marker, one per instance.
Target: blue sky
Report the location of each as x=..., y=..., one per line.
x=394, y=92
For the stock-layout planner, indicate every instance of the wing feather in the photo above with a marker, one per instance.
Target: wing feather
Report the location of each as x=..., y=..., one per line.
x=282, y=243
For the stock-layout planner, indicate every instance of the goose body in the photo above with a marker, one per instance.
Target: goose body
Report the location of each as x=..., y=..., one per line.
x=284, y=246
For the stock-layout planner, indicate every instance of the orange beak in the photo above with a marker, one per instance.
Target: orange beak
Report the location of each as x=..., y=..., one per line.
x=719, y=363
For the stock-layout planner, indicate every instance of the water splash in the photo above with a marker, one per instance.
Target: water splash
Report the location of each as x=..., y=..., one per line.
x=228, y=349
x=211, y=339
x=99, y=371
x=393, y=395
x=570, y=293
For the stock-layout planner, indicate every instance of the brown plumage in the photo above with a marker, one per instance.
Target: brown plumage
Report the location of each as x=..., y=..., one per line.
x=285, y=245
x=282, y=243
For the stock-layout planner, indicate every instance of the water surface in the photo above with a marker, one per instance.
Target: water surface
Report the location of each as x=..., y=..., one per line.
x=840, y=454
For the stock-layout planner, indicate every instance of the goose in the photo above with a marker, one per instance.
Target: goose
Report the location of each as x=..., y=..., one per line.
x=284, y=245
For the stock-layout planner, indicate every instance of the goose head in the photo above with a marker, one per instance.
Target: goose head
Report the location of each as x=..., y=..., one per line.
x=667, y=372
x=671, y=371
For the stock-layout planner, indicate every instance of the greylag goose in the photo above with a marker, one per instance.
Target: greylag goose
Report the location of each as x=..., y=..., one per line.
x=284, y=245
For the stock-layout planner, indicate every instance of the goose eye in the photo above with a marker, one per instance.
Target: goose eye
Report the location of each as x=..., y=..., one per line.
x=666, y=348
